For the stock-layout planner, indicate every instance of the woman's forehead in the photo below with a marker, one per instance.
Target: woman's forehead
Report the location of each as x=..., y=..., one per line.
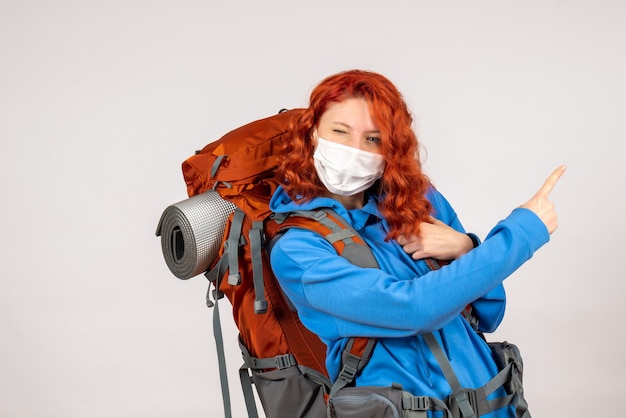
x=352, y=112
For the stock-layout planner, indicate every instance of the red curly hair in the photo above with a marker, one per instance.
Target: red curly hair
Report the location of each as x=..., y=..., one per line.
x=403, y=185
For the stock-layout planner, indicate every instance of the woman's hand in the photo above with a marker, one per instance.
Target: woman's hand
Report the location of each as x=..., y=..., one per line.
x=440, y=241
x=541, y=205
x=436, y=240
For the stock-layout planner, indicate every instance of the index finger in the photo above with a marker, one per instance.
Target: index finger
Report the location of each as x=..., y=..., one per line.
x=547, y=187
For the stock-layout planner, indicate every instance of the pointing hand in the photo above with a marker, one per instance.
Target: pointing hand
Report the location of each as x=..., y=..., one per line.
x=540, y=203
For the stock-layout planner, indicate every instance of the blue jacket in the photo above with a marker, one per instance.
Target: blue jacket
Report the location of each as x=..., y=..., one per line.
x=404, y=298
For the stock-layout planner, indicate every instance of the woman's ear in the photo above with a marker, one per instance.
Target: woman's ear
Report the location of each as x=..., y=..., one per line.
x=314, y=137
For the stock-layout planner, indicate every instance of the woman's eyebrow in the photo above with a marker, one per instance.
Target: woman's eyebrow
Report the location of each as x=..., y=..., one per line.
x=345, y=125
x=342, y=124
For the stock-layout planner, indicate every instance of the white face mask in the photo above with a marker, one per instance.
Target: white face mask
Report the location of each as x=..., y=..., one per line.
x=346, y=170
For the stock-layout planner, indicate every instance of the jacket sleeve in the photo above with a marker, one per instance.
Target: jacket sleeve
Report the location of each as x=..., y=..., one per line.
x=490, y=307
x=337, y=299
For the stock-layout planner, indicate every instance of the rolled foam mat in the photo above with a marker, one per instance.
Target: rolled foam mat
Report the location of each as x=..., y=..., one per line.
x=191, y=232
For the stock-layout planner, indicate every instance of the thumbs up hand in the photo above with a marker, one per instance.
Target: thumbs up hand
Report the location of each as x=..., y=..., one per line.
x=540, y=203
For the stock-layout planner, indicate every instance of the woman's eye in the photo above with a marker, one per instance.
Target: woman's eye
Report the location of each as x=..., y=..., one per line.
x=373, y=139
x=339, y=131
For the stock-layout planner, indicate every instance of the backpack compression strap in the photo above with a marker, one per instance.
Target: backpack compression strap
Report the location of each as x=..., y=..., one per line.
x=230, y=258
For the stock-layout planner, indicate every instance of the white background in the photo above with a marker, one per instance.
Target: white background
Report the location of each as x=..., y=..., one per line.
x=101, y=101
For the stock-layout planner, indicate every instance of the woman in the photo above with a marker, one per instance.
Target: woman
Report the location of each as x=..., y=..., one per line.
x=354, y=150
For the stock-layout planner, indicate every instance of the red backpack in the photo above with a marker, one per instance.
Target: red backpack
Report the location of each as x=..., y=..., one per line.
x=230, y=182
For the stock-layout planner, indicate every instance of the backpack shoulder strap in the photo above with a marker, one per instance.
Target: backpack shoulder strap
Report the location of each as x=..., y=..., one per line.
x=354, y=358
x=352, y=247
x=336, y=230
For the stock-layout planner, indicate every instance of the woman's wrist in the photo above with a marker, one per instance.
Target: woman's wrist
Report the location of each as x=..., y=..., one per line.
x=474, y=238
x=470, y=241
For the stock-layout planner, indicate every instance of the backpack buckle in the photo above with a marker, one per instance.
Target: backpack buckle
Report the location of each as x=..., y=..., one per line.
x=284, y=361
x=476, y=398
x=350, y=369
x=416, y=403
x=234, y=279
